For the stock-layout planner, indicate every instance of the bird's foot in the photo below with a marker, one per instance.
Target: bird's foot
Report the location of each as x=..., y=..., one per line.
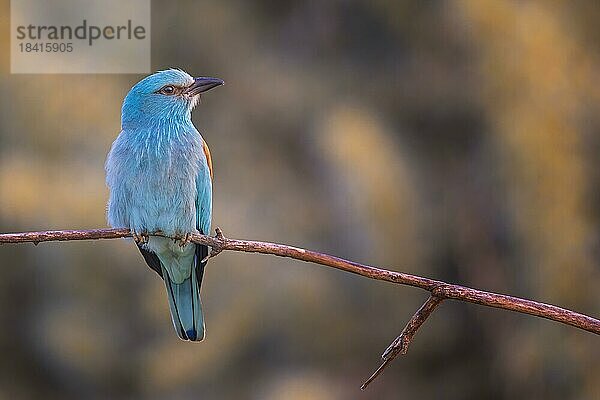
x=184, y=240
x=215, y=250
x=140, y=237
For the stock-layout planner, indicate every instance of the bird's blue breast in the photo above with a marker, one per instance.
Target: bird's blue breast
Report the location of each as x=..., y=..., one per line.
x=151, y=173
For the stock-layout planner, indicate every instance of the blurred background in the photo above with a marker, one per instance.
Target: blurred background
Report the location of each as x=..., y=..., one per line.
x=453, y=139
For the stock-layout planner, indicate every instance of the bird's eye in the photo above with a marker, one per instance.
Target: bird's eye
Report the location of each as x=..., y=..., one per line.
x=168, y=90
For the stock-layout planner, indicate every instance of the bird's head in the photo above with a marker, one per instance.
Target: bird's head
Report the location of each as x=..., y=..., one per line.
x=169, y=94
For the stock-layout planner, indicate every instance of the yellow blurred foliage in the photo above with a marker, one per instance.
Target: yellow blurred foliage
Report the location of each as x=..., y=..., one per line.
x=370, y=163
x=38, y=195
x=535, y=75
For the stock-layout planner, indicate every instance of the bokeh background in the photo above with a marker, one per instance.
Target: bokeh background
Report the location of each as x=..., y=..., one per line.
x=453, y=139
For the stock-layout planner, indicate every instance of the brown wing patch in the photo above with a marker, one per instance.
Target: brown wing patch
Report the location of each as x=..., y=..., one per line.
x=208, y=157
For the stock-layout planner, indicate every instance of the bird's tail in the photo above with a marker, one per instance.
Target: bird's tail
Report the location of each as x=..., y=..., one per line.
x=185, y=305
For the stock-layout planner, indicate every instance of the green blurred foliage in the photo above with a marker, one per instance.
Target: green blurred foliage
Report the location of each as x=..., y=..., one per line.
x=453, y=139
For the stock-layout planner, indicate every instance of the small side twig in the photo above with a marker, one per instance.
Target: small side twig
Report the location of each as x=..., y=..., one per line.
x=402, y=342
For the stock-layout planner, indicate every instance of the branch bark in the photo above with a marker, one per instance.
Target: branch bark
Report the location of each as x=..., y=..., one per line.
x=438, y=290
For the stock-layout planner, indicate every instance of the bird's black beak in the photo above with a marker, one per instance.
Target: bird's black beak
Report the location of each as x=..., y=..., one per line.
x=203, y=84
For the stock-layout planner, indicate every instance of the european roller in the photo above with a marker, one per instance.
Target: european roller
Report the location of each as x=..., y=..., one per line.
x=159, y=172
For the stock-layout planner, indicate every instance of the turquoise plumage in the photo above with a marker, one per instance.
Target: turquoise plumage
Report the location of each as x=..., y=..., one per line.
x=159, y=172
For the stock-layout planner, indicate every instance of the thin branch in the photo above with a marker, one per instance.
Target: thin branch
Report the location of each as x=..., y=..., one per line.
x=401, y=343
x=439, y=290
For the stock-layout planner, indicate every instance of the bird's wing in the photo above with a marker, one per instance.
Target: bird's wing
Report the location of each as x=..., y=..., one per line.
x=204, y=193
x=203, y=207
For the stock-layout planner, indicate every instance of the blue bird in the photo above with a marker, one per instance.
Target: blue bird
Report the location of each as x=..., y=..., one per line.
x=159, y=172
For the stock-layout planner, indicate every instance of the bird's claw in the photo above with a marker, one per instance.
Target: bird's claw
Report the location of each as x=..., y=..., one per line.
x=140, y=238
x=215, y=251
x=184, y=240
